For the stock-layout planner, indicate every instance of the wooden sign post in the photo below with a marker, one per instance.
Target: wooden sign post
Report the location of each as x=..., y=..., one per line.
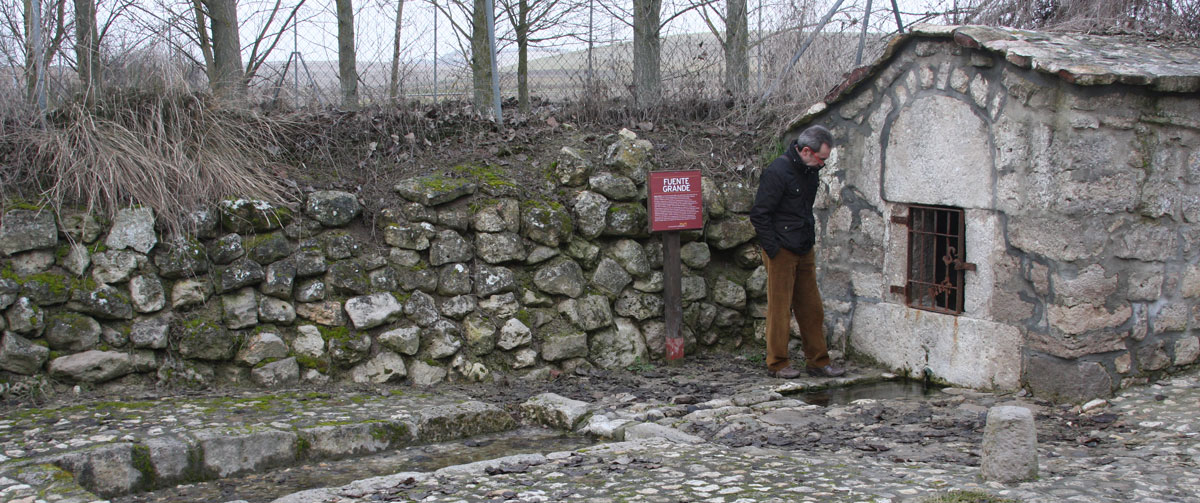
x=676, y=204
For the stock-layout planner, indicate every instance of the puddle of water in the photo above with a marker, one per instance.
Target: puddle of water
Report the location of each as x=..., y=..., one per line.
x=265, y=487
x=877, y=390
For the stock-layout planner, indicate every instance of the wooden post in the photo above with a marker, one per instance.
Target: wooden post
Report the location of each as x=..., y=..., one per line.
x=673, y=297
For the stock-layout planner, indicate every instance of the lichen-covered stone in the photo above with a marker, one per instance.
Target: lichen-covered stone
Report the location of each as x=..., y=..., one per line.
x=383, y=367
x=637, y=305
x=348, y=277
x=268, y=248
x=310, y=290
x=591, y=213
x=309, y=263
x=589, y=313
x=262, y=346
x=245, y=216
x=226, y=249
x=626, y=219
x=714, y=199
x=444, y=338
x=239, y=274
x=729, y=232
x=9, y=290
x=332, y=208
x=19, y=356
x=449, y=247
x=77, y=260
x=134, y=229
x=504, y=305
x=308, y=342
x=190, y=293
x=434, y=190
x=421, y=309
x=240, y=309
x=278, y=374
x=540, y=254
x=422, y=374
x=563, y=277
x=151, y=332
x=458, y=306
x=204, y=340
x=279, y=279
x=700, y=316
x=609, y=277
x=454, y=279
x=373, y=310
x=490, y=280
x=47, y=288
x=339, y=245
x=72, y=332
x=347, y=347
x=480, y=334
x=615, y=187
x=115, y=266
x=554, y=411
x=497, y=248
x=653, y=283
x=729, y=294
x=619, y=346
x=584, y=252
x=514, y=334
x=328, y=313
x=558, y=347
x=630, y=156
x=409, y=236
x=23, y=230
x=80, y=227
x=695, y=255
x=91, y=366
x=146, y=293
x=405, y=340
x=277, y=311
x=693, y=288
x=181, y=258
x=632, y=256
x=545, y=222
x=572, y=168
x=502, y=215
x=104, y=302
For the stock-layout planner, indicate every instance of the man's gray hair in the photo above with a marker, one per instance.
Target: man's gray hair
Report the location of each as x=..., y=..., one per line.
x=814, y=137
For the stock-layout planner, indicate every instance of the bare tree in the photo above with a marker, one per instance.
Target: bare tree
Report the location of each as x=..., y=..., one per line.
x=479, y=51
x=53, y=28
x=87, y=48
x=224, y=57
x=394, y=80
x=347, y=63
x=532, y=23
x=647, y=74
x=735, y=42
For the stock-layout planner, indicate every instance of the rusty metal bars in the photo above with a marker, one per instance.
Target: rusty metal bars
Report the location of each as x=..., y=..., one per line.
x=936, y=248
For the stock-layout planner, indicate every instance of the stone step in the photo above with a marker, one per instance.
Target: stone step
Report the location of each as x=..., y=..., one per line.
x=138, y=460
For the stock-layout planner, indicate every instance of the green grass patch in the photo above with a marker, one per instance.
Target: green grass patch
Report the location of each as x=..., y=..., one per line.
x=967, y=497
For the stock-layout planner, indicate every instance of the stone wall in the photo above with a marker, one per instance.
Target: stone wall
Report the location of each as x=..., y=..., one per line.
x=474, y=275
x=1082, y=208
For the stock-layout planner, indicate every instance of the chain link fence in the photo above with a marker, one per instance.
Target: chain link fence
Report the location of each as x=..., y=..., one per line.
x=421, y=49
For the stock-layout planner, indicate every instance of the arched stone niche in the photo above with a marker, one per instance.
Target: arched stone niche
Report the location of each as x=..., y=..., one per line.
x=938, y=152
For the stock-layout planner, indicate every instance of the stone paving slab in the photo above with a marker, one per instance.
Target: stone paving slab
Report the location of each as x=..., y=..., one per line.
x=114, y=448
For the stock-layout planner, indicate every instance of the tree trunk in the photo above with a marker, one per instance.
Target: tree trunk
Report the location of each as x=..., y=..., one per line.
x=394, y=82
x=229, y=83
x=347, y=65
x=523, y=56
x=32, y=53
x=737, y=49
x=87, y=48
x=481, y=58
x=647, y=80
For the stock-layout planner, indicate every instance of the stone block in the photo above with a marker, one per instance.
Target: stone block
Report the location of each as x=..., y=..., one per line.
x=939, y=138
x=554, y=411
x=1067, y=380
x=462, y=420
x=1009, y=445
x=23, y=230
x=235, y=451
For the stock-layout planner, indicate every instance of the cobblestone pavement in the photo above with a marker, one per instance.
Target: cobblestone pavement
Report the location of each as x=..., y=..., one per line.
x=753, y=442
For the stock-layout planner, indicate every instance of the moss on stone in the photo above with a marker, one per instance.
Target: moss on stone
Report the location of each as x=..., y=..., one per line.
x=141, y=463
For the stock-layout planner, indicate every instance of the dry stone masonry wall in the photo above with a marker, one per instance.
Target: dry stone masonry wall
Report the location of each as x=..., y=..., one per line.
x=473, y=275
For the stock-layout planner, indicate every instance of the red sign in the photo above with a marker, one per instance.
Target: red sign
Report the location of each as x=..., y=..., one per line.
x=675, y=202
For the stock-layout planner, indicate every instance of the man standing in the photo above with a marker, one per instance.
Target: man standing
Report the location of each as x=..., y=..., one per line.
x=783, y=221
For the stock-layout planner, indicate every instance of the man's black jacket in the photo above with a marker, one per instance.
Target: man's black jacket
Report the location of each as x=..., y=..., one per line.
x=782, y=213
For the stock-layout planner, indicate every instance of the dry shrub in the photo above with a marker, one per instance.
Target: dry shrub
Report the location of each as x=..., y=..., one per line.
x=170, y=151
x=1157, y=18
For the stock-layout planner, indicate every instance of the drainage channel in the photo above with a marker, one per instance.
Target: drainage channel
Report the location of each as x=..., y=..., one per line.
x=267, y=486
x=879, y=390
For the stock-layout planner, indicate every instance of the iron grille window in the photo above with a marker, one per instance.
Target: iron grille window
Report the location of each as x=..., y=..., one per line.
x=936, y=248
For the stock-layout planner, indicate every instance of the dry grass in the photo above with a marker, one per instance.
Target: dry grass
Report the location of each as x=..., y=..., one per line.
x=1157, y=18
x=172, y=152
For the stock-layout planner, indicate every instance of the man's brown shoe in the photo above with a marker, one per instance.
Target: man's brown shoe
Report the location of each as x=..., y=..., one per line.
x=784, y=373
x=827, y=371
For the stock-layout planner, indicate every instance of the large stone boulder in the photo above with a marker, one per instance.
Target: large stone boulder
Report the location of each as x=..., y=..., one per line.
x=630, y=156
x=554, y=411
x=514, y=334
x=444, y=338
x=146, y=293
x=632, y=256
x=332, y=208
x=23, y=230
x=69, y=331
x=588, y=313
x=729, y=232
x=279, y=279
x=404, y=340
x=615, y=187
x=19, y=356
x=240, y=309
x=545, y=222
x=383, y=367
x=373, y=310
x=610, y=278
x=618, y=347
x=132, y=229
x=278, y=374
x=729, y=294
x=434, y=190
x=490, y=280
x=115, y=266
x=151, y=332
x=105, y=302
x=480, y=334
x=572, y=168
x=246, y=216
x=409, y=236
x=627, y=219
x=454, y=279
x=638, y=305
x=205, y=340
x=449, y=247
x=25, y=318
x=496, y=248
x=262, y=346
x=91, y=366
x=591, y=213
x=558, y=347
x=241, y=273
x=347, y=347
x=226, y=249
x=268, y=248
x=562, y=277
x=348, y=277
x=181, y=258
x=502, y=215
x=695, y=255
x=421, y=309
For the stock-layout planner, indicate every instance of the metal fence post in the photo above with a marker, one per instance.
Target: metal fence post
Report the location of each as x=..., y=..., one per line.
x=491, y=31
x=591, y=41
x=435, y=52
